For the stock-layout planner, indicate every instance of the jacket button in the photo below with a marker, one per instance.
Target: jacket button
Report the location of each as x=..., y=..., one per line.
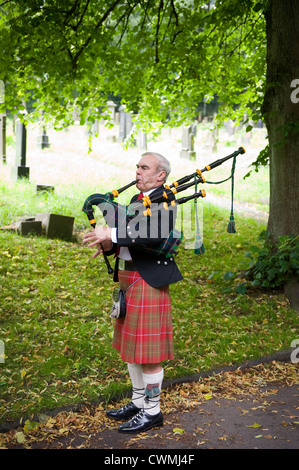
x=159, y=262
x=165, y=262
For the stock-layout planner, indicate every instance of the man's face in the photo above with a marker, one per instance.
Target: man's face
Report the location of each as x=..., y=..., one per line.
x=147, y=174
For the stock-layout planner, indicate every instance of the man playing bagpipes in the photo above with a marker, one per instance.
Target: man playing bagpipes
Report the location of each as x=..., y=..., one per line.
x=144, y=335
x=144, y=243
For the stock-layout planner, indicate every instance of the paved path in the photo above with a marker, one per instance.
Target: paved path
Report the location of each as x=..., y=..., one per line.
x=242, y=208
x=252, y=406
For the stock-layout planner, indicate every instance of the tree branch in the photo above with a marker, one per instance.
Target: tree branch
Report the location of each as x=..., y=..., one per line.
x=145, y=13
x=127, y=16
x=100, y=22
x=4, y=3
x=230, y=53
x=71, y=10
x=157, y=32
x=82, y=16
x=175, y=13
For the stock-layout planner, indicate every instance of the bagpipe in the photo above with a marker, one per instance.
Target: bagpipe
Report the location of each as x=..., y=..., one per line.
x=119, y=215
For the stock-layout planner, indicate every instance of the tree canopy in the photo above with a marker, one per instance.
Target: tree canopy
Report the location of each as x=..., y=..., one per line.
x=162, y=57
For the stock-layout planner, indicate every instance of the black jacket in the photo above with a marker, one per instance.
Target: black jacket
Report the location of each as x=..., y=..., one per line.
x=157, y=271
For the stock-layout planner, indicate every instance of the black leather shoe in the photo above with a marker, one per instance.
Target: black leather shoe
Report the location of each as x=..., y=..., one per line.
x=125, y=412
x=141, y=422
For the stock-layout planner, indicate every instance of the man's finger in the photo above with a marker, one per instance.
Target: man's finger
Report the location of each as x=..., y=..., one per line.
x=99, y=252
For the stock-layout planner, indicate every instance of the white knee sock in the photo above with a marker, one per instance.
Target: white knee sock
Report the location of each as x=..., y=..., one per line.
x=135, y=371
x=152, y=385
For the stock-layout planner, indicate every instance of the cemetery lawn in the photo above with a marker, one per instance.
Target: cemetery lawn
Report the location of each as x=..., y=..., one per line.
x=55, y=301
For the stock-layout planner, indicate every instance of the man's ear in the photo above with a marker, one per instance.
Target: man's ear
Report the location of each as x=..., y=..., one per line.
x=161, y=176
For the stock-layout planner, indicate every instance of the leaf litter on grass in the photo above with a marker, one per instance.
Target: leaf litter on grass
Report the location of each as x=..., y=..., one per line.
x=91, y=420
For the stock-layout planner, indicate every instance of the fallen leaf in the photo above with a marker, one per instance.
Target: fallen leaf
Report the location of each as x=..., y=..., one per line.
x=178, y=431
x=207, y=396
x=20, y=437
x=30, y=425
x=63, y=430
x=255, y=425
x=244, y=411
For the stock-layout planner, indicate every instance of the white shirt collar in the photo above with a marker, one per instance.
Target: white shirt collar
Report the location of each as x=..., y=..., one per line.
x=147, y=193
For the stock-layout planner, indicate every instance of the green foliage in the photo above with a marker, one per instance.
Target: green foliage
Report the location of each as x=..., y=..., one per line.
x=162, y=58
x=263, y=159
x=273, y=265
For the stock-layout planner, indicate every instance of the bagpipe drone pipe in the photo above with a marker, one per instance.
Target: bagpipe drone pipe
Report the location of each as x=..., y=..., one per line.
x=119, y=215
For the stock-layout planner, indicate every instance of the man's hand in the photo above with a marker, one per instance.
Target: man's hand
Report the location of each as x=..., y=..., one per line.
x=99, y=237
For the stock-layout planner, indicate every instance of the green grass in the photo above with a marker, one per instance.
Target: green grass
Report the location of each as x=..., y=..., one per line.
x=254, y=189
x=55, y=302
x=21, y=200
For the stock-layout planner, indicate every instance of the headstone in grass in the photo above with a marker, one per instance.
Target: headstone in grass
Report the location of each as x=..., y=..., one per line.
x=40, y=188
x=56, y=225
x=29, y=227
x=20, y=170
x=187, y=150
x=122, y=123
x=24, y=226
x=43, y=140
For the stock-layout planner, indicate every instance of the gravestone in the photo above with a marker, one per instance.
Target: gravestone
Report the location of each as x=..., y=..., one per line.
x=111, y=109
x=29, y=226
x=142, y=140
x=20, y=170
x=229, y=127
x=260, y=124
x=122, y=123
x=56, y=226
x=214, y=139
x=188, y=144
x=44, y=188
x=129, y=123
x=43, y=140
x=194, y=129
x=125, y=124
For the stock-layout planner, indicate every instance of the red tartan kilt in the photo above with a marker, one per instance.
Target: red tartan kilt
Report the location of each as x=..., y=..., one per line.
x=144, y=336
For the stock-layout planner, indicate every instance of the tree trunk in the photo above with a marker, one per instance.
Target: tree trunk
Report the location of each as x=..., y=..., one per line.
x=281, y=111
